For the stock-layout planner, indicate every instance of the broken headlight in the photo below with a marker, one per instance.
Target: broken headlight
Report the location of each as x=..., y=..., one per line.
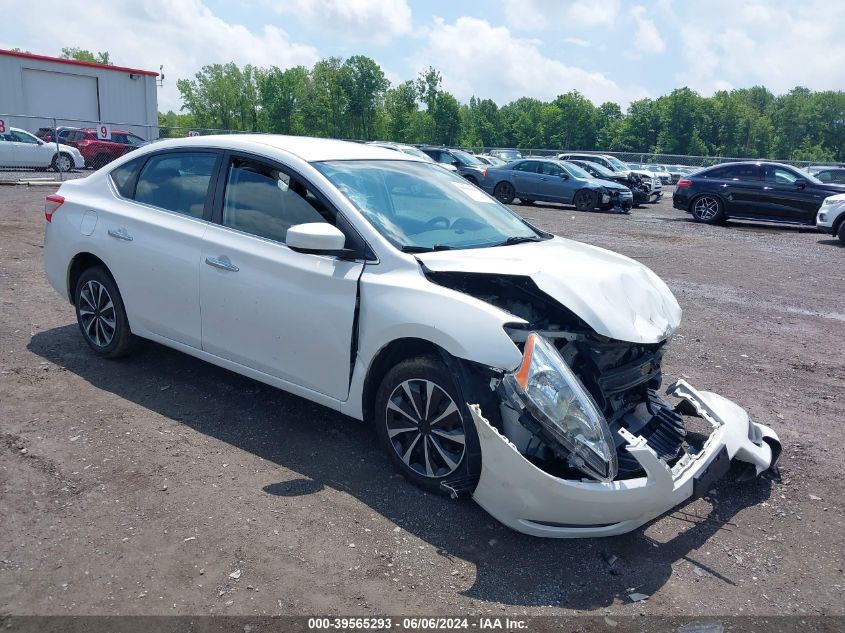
x=545, y=385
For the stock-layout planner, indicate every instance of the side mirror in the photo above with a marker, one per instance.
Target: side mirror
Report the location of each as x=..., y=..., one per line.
x=564, y=176
x=800, y=183
x=316, y=238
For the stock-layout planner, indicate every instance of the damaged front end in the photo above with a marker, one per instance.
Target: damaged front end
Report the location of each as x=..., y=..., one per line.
x=582, y=443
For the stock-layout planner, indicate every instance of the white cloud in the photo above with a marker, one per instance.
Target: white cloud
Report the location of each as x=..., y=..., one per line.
x=557, y=14
x=647, y=39
x=378, y=21
x=182, y=36
x=517, y=68
x=577, y=41
x=777, y=45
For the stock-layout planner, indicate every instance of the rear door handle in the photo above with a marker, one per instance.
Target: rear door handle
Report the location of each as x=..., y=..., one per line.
x=222, y=265
x=120, y=234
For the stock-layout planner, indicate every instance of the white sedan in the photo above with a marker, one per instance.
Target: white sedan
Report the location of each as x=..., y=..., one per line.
x=495, y=360
x=19, y=148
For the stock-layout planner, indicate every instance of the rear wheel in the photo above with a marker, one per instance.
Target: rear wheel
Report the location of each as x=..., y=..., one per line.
x=585, y=200
x=422, y=422
x=101, y=315
x=841, y=232
x=504, y=192
x=707, y=209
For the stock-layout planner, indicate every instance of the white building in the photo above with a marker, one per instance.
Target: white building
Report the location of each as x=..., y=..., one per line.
x=76, y=94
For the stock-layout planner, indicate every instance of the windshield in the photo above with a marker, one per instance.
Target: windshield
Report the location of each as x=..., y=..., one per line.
x=465, y=158
x=617, y=164
x=575, y=171
x=601, y=170
x=419, y=206
x=509, y=154
x=413, y=151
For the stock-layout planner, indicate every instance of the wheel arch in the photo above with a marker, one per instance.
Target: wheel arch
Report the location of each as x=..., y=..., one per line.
x=78, y=265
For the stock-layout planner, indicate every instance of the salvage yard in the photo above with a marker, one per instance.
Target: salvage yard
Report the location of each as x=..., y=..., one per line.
x=160, y=484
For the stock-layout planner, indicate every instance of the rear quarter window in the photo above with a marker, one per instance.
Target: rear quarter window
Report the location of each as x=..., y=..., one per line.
x=124, y=177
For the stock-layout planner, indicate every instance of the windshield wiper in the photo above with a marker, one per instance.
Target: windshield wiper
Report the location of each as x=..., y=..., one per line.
x=519, y=239
x=410, y=248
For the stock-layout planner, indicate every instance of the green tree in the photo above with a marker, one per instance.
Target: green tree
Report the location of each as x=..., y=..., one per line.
x=284, y=99
x=363, y=82
x=324, y=114
x=401, y=108
x=82, y=55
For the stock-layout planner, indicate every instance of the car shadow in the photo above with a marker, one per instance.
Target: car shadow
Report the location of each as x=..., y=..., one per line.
x=833, y=242
x=328, y=450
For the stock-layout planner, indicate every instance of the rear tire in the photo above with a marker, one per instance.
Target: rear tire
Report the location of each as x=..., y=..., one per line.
x=841, y=232
x=423, y=423
x=708, y=209
x=101, y=315
x=504, y=192
x=585, y=200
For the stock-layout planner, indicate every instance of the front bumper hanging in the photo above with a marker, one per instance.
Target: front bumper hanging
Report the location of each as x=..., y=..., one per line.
x=529, y=500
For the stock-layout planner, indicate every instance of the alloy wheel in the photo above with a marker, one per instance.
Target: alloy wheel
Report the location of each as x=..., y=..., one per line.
x=97, y=314
x=706, y=208
x=63, y=163
x=425, y=428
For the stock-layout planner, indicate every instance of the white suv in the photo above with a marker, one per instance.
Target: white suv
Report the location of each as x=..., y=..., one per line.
x=389, y=289
x=831, y=216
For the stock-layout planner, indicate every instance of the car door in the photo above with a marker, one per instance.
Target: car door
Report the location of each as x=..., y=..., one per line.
x=526, y=179
x=283, y=313
x=152, y=233
x=788, y=196
x=26, y=150
x=554, y=183
x=741, y=186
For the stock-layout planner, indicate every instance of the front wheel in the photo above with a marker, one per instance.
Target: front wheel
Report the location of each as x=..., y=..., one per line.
x=585, y=200
x=62, y=162
x=841, y=232
x=422, y=422
x=707, y=209
x=504, y=192
x=101, y=315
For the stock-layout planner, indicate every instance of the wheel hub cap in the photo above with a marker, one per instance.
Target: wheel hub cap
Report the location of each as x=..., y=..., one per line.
x=96, y=311
x=425, y=428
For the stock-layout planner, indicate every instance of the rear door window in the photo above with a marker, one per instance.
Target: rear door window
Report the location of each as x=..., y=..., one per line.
x=177, y=182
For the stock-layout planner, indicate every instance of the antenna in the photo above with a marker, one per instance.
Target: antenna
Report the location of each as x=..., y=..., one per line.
x=160, y=80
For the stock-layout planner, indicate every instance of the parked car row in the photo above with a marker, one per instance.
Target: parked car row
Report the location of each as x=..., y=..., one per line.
x=19, y=148
x=77, y=148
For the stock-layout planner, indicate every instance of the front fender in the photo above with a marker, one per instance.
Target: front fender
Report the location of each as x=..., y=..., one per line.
x=404, y=305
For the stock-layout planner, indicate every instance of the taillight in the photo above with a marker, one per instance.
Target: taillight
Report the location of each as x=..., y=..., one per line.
x=484, y=173
x=685, y=182
x=51, y=206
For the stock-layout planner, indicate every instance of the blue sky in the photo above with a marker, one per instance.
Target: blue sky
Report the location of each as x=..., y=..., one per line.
x=501, y=49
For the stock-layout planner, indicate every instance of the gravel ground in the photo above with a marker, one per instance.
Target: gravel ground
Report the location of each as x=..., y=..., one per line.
x=163, y=485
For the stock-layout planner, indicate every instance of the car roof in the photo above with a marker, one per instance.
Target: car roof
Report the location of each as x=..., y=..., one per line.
x=307, y=148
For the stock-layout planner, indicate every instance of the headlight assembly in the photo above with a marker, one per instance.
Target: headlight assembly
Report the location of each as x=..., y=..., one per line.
x=545, y=385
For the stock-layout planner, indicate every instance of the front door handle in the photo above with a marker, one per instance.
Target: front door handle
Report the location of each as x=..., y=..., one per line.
x=120, y=234
x=222, y=265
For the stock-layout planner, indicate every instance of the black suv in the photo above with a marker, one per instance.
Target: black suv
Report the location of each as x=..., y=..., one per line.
x=753, y=191
x=466, y=165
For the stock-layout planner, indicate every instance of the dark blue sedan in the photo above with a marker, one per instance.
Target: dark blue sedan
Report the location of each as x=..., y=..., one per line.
x=554, y=181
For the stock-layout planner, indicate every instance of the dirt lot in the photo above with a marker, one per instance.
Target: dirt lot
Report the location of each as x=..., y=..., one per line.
x=162, y=485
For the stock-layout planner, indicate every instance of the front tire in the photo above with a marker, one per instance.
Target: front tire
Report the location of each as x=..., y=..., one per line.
x=101, y=315
x=708, y=209
x=841, y=232
x=62, y=162
x=585, y=200
x=504, y=192
x=422, y=422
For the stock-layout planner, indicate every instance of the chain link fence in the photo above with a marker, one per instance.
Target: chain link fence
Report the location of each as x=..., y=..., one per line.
x=40, y=149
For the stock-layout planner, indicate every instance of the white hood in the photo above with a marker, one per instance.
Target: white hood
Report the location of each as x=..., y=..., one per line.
x=617, y=296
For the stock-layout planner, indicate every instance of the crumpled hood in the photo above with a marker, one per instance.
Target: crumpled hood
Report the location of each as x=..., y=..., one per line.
x=617, y=296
